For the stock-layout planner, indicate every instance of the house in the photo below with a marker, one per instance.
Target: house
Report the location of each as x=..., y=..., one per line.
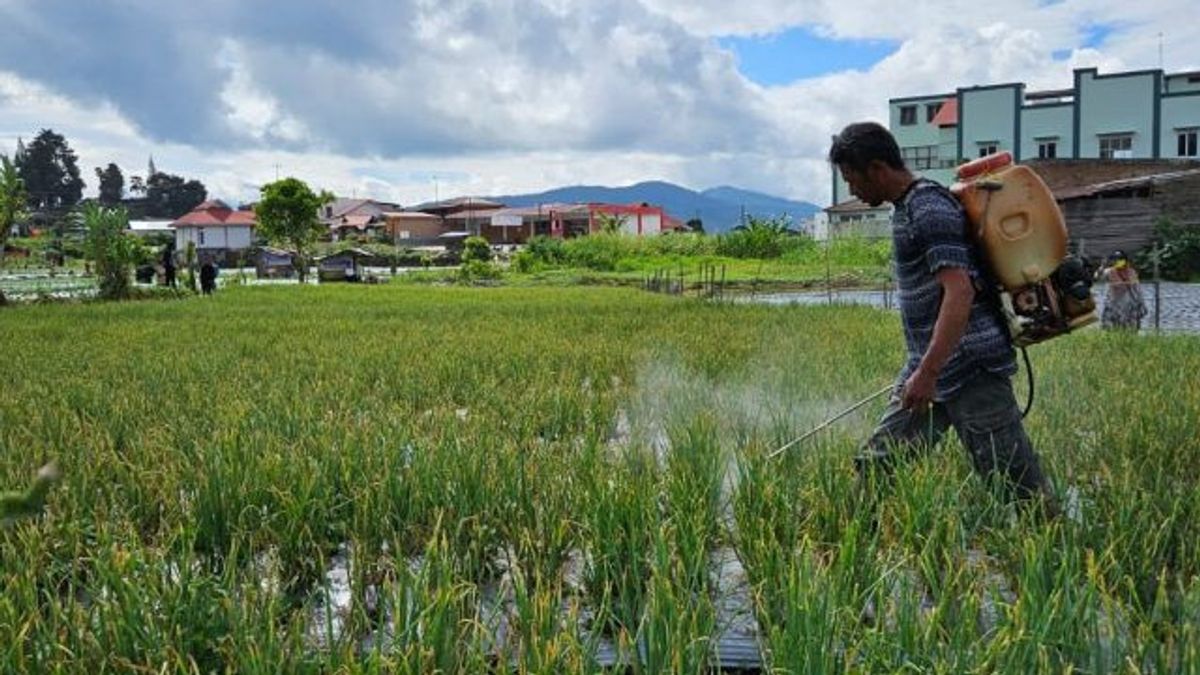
x=347, y=265
x=517, y=225
x=1142, y=114
x=355, y=217
x=413, y=228
x=274, y=263
x=216, y=231
x=462, y=214
x=149, y=228
x=854, y=217
x=1120, y=214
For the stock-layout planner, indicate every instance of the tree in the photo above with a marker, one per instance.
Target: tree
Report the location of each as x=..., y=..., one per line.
x=170, y=196
x=112, y=184
x=137, y=186
x=287, y=215
x=112, y=250
x=695, y=225
x=13, y=198
x=51, y=172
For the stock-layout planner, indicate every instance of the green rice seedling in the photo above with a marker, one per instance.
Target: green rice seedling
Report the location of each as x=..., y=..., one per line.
x=620, y=522
x=434, y=615
x=283, y=423
x=546, y=631
x=692, y=491
x=677, y=633
x=802, y=635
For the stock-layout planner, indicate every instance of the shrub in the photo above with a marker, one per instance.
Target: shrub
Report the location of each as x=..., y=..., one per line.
x=478, y=270
x=598, y=251
x=476, y=249
x=112, y=250
x=1180, y=249
x=546, y=250
x=759, y=238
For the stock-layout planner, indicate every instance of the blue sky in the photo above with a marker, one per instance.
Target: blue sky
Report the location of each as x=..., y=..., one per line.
x=800, y=53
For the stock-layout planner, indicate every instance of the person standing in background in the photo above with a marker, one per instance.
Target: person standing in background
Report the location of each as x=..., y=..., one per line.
x=1124, y=306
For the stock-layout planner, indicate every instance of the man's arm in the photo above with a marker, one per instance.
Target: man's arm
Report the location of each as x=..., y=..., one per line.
x=957, y=295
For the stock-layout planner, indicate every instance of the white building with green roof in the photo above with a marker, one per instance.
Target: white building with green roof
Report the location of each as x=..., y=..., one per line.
x=1143, y=114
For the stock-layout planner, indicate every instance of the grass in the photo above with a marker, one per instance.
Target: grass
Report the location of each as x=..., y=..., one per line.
x=466, y=444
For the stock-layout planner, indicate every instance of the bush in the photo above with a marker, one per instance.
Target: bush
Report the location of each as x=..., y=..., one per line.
x=760, y=238
x=524, y=262
x=476, y=249
x=473, y=271
x=112, y=250
x=1180, y=249
x=598, y=251
x=860, y=252
x=546, y=250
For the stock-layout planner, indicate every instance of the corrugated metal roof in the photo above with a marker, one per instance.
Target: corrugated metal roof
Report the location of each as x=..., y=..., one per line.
x=1123, y=184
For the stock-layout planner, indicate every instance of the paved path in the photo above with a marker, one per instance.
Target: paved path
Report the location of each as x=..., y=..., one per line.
x=1179, y=304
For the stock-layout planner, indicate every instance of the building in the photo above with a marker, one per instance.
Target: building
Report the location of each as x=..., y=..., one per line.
x=1121, y=214
x=150, y=228
x=514, y=225
x=215, y=229
x=854, y=217
x=355, y=217
x=347, y=265
x=1143, y=114
x=517, y=225
x=462, y=214
x=413, y=228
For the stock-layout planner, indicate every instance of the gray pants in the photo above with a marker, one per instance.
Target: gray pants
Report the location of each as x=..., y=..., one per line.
x=985, y=416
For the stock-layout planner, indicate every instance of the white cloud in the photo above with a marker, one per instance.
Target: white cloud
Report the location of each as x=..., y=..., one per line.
x=515, y=95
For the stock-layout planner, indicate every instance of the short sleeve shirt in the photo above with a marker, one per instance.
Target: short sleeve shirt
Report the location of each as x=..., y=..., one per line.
x=929, y=234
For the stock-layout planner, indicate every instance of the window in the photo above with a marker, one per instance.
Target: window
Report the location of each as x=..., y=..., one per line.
x=202, y=236
x=989, y=148
x=908, y=115
x=1187, y=142
x=1047, y=149
x=920, y=157
x=931, y=111
x=1116, y=147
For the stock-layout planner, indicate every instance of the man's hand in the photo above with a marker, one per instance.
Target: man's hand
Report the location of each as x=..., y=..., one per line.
x=918, y=390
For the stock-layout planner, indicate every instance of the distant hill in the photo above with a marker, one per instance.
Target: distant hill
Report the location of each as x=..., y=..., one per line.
x=720, y=208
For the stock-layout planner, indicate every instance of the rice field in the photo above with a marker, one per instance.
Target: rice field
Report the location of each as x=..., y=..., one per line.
x=401, y=479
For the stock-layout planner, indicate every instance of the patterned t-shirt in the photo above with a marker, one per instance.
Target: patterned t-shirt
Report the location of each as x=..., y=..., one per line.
x=928, y=234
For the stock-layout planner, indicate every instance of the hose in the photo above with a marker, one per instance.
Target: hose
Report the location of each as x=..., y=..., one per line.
x=1029, y=376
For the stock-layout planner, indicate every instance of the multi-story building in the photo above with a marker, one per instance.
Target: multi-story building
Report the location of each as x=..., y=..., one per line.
x=1143, y=114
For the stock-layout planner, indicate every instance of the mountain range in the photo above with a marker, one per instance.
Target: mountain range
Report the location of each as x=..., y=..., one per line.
x=720, y=209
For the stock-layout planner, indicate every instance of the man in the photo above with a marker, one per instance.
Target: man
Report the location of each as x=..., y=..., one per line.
x=960, y=358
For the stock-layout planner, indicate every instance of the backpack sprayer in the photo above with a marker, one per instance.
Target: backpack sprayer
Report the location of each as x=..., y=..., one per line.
x=1042, y=291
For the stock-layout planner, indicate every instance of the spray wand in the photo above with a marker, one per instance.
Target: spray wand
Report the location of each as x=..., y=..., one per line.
x=831, y=420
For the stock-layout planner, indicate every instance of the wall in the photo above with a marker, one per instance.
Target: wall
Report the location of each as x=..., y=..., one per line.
x=1178, y=112
x=1044, y=121
x=988, y=114
x=1121, y=103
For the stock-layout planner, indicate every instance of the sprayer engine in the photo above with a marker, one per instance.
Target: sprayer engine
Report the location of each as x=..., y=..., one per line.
x=1043, y=291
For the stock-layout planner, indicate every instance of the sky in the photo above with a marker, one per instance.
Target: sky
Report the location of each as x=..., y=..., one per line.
x=408, y=100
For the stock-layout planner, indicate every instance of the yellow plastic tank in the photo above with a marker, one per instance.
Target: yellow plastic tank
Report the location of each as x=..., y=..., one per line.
x=1018, y=223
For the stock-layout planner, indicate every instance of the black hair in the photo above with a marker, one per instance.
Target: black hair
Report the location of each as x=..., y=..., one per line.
x=861, y=143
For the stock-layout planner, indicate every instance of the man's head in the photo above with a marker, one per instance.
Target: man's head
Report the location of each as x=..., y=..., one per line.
x=869, y=159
